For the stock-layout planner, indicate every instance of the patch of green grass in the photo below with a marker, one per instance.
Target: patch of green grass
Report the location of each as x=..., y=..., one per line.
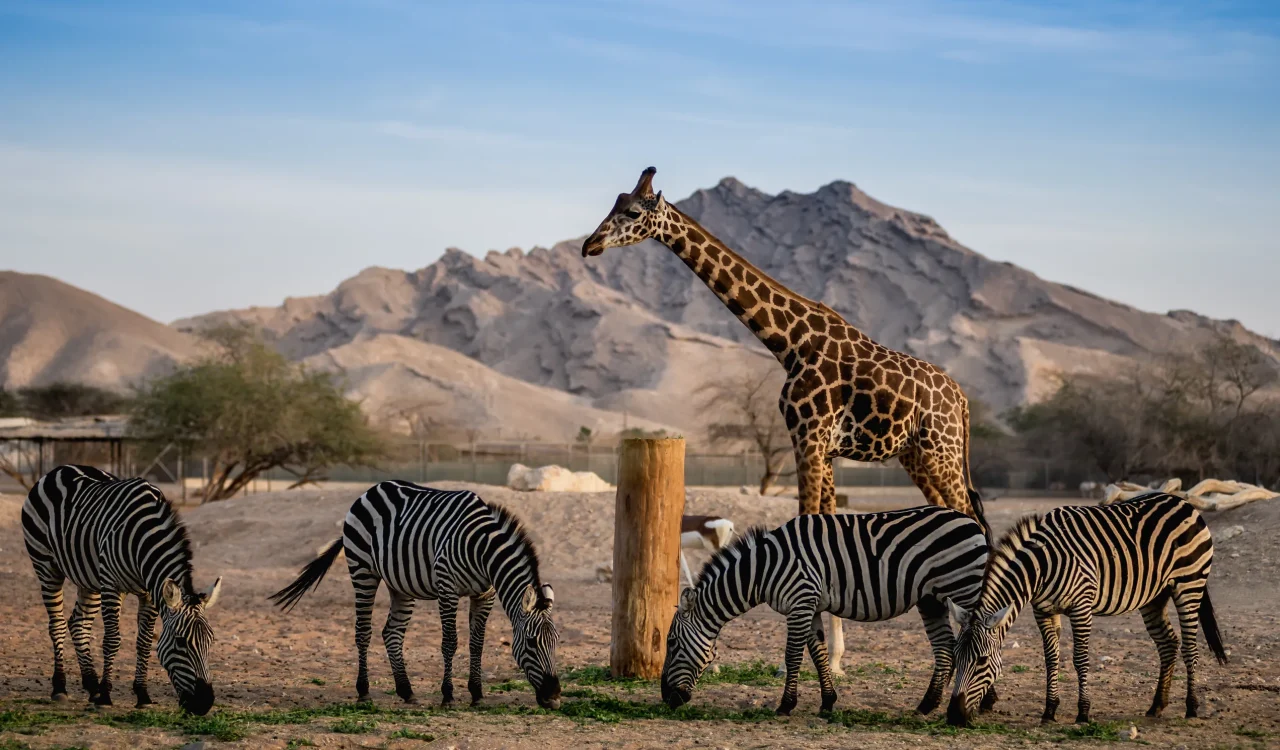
x=510, y=685
x=12, y=744
x=317, y=681
x=1106, y=730
x=409, y=734
x=353, y=726
x=225, y=726
x=1256, y=734
x=298, y=742
x=757, y=673
x=595, y=675
x=22, y=721
x=1019, y=668
x=911, y=722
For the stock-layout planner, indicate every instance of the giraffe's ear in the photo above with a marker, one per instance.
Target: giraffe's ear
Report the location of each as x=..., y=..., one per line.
x=172, y=594
x=644, y=188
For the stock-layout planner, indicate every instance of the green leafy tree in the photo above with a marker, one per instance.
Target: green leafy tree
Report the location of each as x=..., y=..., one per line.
x=62, y=400
x=250, y=410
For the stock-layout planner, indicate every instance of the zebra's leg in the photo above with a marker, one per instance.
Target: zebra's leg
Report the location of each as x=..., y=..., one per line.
x=146, y=639
x=81, y=625
x=366, y=587
x=1157, y=621
x=477, y=619
x=1081, y=626
x=818, y=653
x=393, y=638
x=1187, y=599
x=51, y=594
x=799, y=630
x=1050, y=637
x=448, y=643
x=110, y=643
x=938, y=627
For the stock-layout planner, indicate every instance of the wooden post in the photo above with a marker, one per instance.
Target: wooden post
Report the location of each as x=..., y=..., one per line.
x=646, y=553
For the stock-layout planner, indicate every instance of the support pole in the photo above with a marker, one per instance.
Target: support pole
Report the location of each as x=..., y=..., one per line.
x=646, y=553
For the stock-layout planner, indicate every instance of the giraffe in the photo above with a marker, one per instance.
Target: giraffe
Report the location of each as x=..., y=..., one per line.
x=845, y=395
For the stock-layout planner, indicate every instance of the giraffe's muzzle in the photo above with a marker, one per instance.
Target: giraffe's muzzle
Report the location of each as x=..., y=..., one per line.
x=592, y=247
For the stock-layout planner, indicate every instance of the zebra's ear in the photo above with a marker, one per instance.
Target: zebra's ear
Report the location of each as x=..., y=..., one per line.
x=548, y=594
x=688, y=598
x=530, y=599
x=209, y=597
x=958, y=613
x=997, y=617
x=172, y=594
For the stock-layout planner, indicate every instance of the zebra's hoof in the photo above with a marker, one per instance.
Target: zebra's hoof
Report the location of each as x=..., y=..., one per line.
x=1048, y=719
x=1082, y=719
x=102, y=700
x=143, y=704
x=60, y=697
x=363, y=698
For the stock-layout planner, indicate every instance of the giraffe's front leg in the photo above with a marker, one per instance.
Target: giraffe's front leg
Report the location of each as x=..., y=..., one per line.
x=110, y=644
x=146, y=638
x=81, y=625
x=478, y=618
x=811, y=463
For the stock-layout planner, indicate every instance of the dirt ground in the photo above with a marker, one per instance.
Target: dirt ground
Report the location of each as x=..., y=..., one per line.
x=287, y=680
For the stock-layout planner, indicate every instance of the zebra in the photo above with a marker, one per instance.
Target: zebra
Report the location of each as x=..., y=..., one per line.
x=1084, y=561
x=868, y=567
x=435, y=544
x=112, y=537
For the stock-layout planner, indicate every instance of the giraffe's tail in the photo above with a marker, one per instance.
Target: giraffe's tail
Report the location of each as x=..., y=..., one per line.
x=975, y=499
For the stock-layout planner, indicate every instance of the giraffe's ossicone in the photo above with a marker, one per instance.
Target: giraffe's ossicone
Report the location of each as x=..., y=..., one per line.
x=845, y=395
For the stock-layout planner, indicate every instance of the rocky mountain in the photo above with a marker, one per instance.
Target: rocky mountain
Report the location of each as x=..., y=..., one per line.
x=51, y=331
x=635, y=330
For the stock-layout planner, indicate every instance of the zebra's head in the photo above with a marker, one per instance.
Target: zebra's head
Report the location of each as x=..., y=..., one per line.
x=533, y=643
x=691, y=646
x=184, y=643
x=977, y=657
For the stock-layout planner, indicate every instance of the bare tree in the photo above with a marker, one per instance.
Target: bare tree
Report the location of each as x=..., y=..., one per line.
x=742, y=410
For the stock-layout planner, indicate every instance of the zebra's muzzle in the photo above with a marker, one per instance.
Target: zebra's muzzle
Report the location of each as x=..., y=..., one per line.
x=957, y=714
x=198, y=701
x=675, y=697
x=549, y=693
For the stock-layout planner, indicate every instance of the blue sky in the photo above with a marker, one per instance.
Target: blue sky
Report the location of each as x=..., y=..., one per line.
x=179, y=157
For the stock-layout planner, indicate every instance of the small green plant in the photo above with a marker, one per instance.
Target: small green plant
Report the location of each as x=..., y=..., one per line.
x=1256, y=734
x=353, y=726
x=22, y=721
x=510, y=685
x=317, y=681
x=409, y=734
x=1019, y=668
x=596, y=675
x=298, y=742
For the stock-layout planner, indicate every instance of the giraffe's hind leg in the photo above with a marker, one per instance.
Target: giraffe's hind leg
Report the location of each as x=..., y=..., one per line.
x=940, y=478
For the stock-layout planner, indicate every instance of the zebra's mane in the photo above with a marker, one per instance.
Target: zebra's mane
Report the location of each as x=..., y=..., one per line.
x=1006, y=548
x=181, y=538
x=512, y=525
x=752, y=537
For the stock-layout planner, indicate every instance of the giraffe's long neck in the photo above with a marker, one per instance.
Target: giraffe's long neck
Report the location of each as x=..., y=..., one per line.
x=785, y=322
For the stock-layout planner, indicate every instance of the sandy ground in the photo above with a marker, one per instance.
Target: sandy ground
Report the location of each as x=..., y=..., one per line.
x=266, y=660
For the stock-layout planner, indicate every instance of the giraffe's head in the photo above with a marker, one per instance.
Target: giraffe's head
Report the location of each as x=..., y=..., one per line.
x=632, y=219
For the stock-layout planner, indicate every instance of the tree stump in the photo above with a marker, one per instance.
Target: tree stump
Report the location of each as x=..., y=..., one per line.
x=646, y=554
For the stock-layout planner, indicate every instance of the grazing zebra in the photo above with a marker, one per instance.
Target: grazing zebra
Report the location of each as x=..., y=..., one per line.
x=113, y=537
x=868, y=567
x=433, y=544
x=1085, y=561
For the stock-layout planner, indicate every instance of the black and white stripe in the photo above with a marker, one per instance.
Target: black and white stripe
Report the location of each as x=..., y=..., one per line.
x=1086, y=561
x=867, y=567
x=433, y=544
x=112, y=537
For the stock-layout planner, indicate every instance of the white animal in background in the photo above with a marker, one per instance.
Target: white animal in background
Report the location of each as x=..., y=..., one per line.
x=711, y=533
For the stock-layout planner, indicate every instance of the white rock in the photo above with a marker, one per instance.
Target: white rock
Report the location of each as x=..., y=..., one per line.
x=554, y=479
x=1132, y=734
x=1229, y=533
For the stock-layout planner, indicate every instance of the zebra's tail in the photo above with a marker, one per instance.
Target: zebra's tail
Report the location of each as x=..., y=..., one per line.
x=309, y=579
x=1209, y=624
